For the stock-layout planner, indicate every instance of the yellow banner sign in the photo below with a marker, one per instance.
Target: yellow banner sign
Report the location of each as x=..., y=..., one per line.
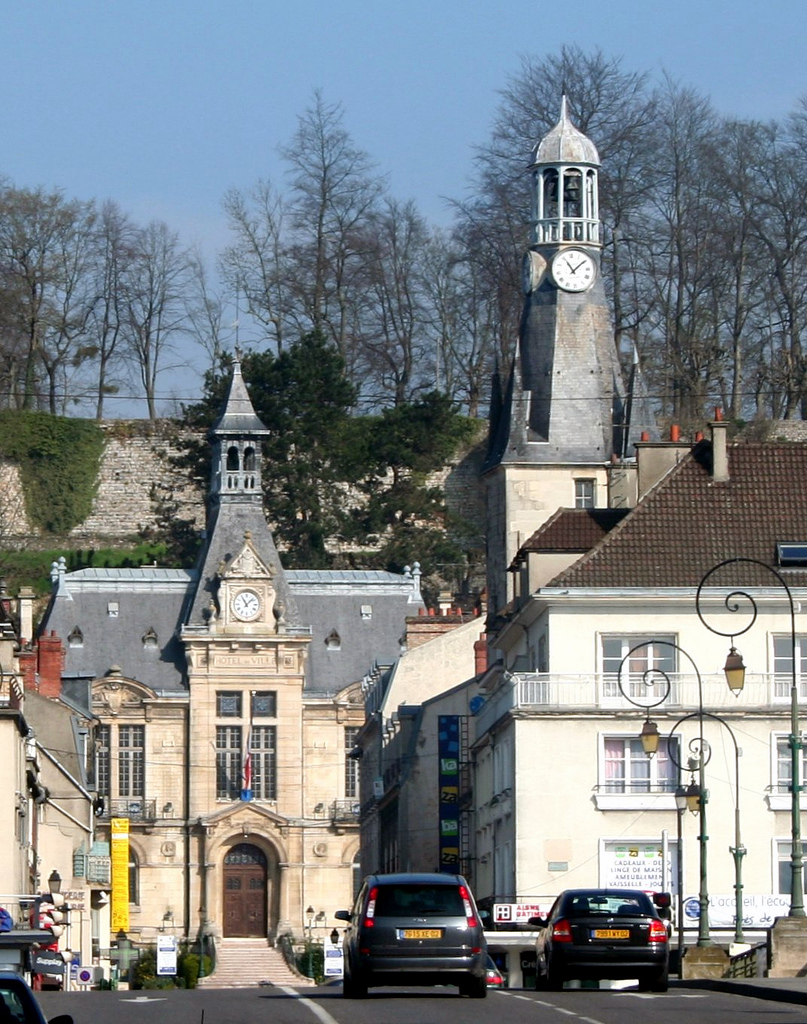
x=119, y=850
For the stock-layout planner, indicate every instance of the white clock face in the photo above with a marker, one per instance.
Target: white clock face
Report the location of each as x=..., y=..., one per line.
x=573, y=270
x=246, y=604
x=532, y=269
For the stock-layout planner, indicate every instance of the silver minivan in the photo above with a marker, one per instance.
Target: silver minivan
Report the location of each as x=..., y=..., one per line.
x=414, y=929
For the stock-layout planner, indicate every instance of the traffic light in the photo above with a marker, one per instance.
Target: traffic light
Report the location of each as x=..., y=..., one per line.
x=49, y=914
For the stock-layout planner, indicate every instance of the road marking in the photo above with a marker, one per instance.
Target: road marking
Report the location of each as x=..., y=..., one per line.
x=315, y=1008
x=145, y=999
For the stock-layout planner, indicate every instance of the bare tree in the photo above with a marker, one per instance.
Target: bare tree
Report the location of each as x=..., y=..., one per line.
x=205, y=310
x=395, y=319
x=334, y=194
x=115, y=240
x=153, y=290
x=39, y=232
x=257, y=264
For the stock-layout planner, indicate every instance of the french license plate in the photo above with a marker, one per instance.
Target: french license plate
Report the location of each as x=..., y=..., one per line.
x=611, y=933
x=420, y=933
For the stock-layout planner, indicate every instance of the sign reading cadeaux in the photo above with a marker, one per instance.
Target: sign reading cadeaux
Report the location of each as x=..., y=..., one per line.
x=637, y=866
x=119, y=850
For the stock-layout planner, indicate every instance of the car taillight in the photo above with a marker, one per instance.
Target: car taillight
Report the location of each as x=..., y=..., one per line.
x=562, y=931
x=470, y=917
x=658, y=932
x=369, y=913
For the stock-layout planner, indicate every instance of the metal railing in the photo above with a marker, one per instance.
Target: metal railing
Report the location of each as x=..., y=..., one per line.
x=345, y=810
x=551, y=692
x=133, y=808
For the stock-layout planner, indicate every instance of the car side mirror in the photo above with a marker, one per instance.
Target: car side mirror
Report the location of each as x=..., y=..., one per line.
x=343, y=915
x=484, y=915
x=663, y=903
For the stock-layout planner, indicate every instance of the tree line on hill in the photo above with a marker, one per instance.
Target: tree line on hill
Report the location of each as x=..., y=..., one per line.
x=705, y=242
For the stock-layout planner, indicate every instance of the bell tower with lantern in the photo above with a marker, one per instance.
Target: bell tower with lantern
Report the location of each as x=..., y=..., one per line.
x=557, y=422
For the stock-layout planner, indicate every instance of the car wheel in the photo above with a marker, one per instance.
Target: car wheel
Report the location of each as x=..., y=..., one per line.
x=354, y=986
x=475, y=988
x=660, y=983
x=554, y=978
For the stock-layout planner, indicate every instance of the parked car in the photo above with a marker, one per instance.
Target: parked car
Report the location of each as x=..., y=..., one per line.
x=493, y=976
x=18, y=1003
x=414, y=929
x=604, y=934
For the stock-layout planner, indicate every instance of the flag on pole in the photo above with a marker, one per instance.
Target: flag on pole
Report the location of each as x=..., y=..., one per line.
x=246, y=774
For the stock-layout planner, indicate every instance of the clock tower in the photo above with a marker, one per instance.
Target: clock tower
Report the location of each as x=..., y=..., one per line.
x=558, y=423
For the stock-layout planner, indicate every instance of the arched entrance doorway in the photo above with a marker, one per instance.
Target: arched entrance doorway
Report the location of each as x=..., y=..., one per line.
x=245, y=875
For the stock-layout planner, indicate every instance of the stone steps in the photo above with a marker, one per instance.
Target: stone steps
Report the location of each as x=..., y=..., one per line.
x=242, y=963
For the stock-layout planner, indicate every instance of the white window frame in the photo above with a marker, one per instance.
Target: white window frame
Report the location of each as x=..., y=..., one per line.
x=779, y=798
x=615, y=801
x=665, y=652
x=585, y=492
x=782, y=664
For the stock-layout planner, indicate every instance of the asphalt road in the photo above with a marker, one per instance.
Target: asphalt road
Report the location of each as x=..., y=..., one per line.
x=422, y=1006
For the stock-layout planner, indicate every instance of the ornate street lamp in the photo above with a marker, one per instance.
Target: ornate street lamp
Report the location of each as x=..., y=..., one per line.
x=734, y=665
x=695, y=796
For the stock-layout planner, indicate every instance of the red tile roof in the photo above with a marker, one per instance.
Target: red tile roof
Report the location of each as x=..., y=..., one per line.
x=574, y=529
x=688, y=523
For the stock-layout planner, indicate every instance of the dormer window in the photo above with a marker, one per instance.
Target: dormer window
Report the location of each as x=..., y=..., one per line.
x=113, y=609
x=792, y=555
x=333, y=642
x=366, y=612
x=75, y=638
x=150, y=640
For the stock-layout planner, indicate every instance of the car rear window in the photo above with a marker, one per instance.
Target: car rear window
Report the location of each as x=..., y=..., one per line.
x=419, y=901
x=587, y=904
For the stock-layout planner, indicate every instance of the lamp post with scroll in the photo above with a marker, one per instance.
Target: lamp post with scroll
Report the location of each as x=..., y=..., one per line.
x=696, y=795
x=735, y=674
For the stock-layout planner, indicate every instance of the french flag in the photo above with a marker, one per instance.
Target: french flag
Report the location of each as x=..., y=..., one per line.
x=246, y=774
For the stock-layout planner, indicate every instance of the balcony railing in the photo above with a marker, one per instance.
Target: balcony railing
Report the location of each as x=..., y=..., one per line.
x=133, y=808
x=345, y=811
x=547, y=692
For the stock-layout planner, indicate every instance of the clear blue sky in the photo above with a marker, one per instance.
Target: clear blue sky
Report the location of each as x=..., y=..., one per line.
x=163, y=106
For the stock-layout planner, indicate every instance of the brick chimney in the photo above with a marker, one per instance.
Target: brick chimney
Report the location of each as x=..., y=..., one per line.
x=51, y=659
x=481, y=654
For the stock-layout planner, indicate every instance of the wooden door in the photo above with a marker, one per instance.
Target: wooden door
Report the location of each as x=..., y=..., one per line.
x=244, y=892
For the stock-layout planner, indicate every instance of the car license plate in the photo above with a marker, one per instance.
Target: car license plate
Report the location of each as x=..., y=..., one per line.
x=420, y=933
x=611, y=933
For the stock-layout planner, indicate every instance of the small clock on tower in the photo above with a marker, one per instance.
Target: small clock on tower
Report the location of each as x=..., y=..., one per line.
x=246, y=605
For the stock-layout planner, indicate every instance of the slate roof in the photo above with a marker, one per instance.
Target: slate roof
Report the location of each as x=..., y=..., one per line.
x=370, y=622
x=150, y=598
x=238, y=415
x=367, y=610
x=688, y=523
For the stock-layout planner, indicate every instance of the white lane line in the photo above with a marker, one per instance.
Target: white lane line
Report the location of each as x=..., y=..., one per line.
x=315, y=1008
